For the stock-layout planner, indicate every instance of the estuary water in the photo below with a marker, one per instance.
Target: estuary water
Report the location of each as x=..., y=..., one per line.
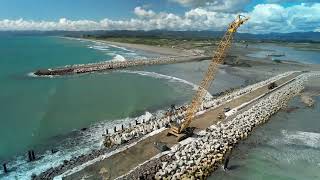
x=300, y=52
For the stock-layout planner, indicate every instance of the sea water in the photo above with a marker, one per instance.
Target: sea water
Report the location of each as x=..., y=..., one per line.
x=43, y=113
x=287, y=147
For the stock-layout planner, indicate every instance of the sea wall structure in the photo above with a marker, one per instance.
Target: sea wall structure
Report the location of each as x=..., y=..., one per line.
x=199, y=156
x=112, y=65
x=139, y=129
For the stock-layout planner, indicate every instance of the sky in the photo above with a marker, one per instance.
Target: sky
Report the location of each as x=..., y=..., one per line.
x=266, y=16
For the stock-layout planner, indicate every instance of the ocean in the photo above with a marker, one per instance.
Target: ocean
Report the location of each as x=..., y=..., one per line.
x=48, y=113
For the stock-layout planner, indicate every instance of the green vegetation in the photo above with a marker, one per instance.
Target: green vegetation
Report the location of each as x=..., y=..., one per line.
x=178, y=43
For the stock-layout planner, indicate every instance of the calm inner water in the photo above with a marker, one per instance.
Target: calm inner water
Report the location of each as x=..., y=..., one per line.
x=304, y=55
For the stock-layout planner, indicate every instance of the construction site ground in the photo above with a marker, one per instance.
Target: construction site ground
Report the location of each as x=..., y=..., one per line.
x=122, y=162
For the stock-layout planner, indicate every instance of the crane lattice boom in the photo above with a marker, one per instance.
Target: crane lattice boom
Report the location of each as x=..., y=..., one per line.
x=218, y=58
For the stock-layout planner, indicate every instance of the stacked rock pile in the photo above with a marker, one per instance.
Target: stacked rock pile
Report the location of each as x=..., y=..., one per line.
x=137, y=130
x=212, y=103
x=111, y=65
x=199, y=158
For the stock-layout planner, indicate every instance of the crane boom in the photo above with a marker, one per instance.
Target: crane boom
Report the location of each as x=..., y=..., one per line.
x=218, y=58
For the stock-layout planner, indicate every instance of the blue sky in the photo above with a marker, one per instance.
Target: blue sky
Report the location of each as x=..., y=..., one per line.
x=266, y=15
x=80, y=9
x=91, y=9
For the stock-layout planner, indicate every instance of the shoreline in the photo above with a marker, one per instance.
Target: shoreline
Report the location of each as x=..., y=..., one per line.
x=237, y=59
x=267, y=64
x=165, y=51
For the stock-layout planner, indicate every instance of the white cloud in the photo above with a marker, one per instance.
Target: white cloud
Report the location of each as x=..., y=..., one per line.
x=293, y=1
x=264, y=18
x=216, y=5
x=276, y=18
x=147, y=20
x=139, y=11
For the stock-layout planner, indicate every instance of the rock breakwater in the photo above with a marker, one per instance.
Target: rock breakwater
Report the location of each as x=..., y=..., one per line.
x=139, y=129
x=203, y=154
x=111, y=65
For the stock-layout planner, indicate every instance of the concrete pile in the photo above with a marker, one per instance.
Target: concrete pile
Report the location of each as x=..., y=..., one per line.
x=200, y=157
x=139, y=129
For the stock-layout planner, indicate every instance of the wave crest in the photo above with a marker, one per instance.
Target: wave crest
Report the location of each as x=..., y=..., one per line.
x=170, y=78
x=310, y=139
x=118, y=58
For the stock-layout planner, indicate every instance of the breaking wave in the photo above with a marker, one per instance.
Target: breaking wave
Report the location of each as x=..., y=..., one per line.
x=310, y=139
x=162, y=76
x=71, y=145
x=295, y=146
x=118, y=58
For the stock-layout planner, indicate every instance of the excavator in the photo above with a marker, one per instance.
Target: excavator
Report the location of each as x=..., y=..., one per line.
x=182, y=130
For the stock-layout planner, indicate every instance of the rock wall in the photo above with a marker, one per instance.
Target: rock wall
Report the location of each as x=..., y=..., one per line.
x=203, y=154
x=199, y=158
x=139, y=129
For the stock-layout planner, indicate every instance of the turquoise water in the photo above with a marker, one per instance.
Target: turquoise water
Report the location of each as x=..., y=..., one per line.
x=43, y=113
x=287, y=148
x=46, y=113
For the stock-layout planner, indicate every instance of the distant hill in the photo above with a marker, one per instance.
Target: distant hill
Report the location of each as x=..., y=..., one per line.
x=288, y=37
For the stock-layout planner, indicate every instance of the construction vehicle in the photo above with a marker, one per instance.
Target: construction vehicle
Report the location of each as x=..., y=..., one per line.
x=182, y=130
x=221, y=116
x=272, y=85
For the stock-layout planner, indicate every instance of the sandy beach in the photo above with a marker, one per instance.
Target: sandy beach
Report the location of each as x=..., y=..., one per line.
x=150, y=49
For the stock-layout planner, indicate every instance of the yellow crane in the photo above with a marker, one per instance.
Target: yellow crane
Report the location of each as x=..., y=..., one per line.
x=181, y=130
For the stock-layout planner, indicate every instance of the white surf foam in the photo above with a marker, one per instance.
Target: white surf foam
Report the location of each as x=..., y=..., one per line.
x=162, y=76
x=102, y=157
x=99, y=47
x=31, y=74
x=302, y=138
x=99, y=43
x=83, y=143
x=119, y=47
x=292, y=147
x=118, y=58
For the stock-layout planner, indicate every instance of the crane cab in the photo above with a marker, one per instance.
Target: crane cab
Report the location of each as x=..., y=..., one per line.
x=221, y=116
x=175, y=130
